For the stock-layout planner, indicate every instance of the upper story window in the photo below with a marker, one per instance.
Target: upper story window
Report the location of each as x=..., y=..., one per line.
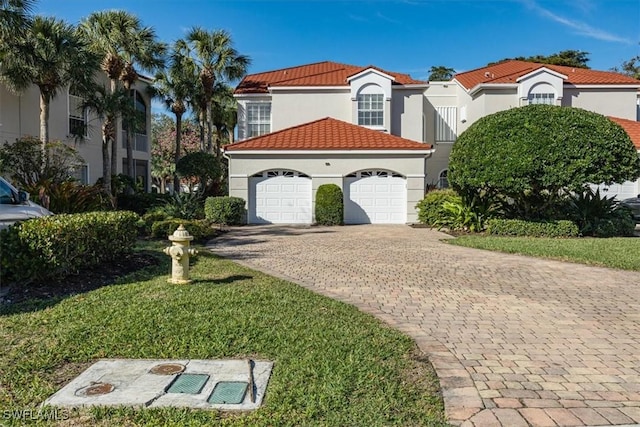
x=258, y=119
x=78, y=117
x=542, y=98
x=139, y=123
x=371, y=109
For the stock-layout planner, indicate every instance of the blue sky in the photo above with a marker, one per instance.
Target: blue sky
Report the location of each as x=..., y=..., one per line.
x=406, y=36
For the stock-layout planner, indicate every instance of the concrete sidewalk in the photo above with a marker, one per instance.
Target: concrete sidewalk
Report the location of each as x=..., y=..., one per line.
x=515, y=341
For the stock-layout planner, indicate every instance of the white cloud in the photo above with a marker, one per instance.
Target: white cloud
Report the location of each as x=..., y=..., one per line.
x=579, y=27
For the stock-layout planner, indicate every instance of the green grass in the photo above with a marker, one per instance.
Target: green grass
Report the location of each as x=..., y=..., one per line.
x=619, y=252
x=333, y=364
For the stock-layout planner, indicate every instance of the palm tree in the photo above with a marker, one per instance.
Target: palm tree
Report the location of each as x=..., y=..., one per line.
x=175, y=86
x=107, y=105
x=51, y=56
x=123, y=44
x=223, y=114
x=218, y=61
x=15, y=19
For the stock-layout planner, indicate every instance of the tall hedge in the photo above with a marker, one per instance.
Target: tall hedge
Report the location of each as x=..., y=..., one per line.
x=530, y=154
x=57, y=245
x=329, y=205
x=225, y=210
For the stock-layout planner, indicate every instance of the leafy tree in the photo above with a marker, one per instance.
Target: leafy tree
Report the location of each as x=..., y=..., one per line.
x=163, y=131
x=201, y=168
x=533, y=154
x=569, y=58
x=441, y=73
x=630, y=68
x=15, y=20
x=123, y=44
x=52, y=57
x=22, y=162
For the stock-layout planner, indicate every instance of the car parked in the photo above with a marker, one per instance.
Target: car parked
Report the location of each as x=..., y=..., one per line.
x=16, y=206
x=633, y=203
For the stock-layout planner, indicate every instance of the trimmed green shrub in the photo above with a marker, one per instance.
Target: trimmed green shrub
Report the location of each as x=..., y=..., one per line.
x=57, y=245
x=329, y=205
x=224, y=210
x=199, y=229
x=517, y=227
x=431, y=208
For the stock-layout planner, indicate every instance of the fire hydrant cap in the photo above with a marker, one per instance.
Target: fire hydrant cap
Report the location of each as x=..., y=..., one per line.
x=181, y=234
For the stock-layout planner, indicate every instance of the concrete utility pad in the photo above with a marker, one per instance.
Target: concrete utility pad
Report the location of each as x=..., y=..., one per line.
x=149, y=383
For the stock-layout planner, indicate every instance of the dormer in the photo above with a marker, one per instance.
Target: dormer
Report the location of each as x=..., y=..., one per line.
x=541, y=86
x=371, y=98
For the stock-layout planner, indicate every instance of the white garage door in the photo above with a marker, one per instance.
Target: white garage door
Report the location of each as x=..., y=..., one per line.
x=375, y=197
x=626, y=190
x=280, y=197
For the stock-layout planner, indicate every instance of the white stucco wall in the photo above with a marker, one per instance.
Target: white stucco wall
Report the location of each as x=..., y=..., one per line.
x=610, y=102
x=291, y=108
x=329, y=168
x=407, y=114
x=20, y=116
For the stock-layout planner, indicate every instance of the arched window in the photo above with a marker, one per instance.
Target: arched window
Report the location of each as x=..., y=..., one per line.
x=371, y=106
x=542, y=93
x=443, y=182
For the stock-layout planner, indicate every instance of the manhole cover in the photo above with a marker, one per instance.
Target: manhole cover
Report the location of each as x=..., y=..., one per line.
x=96, y=389
x=229, y=392
x=188, y=383
x=167, y=369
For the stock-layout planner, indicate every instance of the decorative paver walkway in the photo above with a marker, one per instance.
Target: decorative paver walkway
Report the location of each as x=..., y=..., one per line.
x=515, y=340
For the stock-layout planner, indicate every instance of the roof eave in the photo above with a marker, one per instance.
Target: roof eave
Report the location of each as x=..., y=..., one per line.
x=477, y=88
x=307, y=152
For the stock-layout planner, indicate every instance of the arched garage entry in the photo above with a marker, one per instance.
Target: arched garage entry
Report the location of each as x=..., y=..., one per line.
x=280, y=196
x=375, y=197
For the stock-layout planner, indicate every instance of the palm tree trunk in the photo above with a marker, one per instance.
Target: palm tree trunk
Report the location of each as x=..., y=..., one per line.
x=130, y=138
x=201, y=121
x=209, y=129
x=176, y=178
x=114, y=141
x=44, y=128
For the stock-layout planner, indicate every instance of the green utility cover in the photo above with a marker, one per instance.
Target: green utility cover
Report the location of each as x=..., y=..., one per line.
x=229, y=392
x=188, y=383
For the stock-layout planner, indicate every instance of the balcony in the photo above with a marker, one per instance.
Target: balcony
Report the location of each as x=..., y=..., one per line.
x=140, y=142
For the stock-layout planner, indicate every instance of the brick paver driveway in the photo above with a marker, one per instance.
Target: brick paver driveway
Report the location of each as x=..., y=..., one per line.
x=515, y=341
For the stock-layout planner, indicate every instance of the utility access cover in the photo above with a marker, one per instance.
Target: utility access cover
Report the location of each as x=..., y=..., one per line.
x=204, y=384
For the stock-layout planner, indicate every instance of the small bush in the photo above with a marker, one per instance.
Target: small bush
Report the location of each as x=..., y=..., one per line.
x=599, y=216
x=431, y=208
x=185, y=206
x=68, y=196
x=329, y=205
x=225, y=210
x=517, y=227
x=57, y=245
x=199, y=229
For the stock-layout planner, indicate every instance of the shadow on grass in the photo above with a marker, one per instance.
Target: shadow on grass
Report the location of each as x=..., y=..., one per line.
x=137, y=267
x=223, y=281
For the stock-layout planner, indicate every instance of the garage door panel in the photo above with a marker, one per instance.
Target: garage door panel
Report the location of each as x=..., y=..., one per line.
x=375, y=199
x=280, y=200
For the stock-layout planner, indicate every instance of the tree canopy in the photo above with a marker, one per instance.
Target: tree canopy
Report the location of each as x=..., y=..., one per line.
x=533, y=153
x=441, y=73
x=569, y=58
x=629, y=68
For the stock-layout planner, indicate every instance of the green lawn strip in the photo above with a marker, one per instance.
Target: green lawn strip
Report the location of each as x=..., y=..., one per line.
x=333, y=364
x=619, y=252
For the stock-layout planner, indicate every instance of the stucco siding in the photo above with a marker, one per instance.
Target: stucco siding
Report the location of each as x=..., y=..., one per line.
x=407, y=114
x=609, y=102
x=295, y=108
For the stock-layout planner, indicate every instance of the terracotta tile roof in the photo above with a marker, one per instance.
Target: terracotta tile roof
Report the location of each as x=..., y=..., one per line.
x=510, y=71
x=632, y=127
x=318, y=74
x=327, y=134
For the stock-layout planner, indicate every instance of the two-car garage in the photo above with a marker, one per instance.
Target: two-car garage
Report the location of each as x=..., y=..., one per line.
x=286, y=197
x=382, y=176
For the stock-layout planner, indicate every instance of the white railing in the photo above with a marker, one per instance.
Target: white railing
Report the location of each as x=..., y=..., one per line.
x=140, y=142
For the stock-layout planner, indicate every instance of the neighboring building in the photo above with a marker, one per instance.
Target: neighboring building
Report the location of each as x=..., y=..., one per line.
x=432, y=114
x=20, y=116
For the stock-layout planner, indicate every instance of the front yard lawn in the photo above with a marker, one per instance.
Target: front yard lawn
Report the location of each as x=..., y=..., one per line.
x=620, y=252
x=333, y=364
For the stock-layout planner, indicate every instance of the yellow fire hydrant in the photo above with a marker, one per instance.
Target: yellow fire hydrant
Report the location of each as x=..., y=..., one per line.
x=179, y=253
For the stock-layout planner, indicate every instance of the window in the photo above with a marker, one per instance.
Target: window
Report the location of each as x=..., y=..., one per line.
x=443, y=182
x=139, y=124
x=140, y=171
x=77, y=116
x=82, y=174
x=371, y=109
x=446, y=118
x=258, y=119
x=542, y=98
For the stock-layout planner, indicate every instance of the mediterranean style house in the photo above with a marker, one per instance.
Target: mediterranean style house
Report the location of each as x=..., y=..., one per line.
x=383, y=137
x=20, y=116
